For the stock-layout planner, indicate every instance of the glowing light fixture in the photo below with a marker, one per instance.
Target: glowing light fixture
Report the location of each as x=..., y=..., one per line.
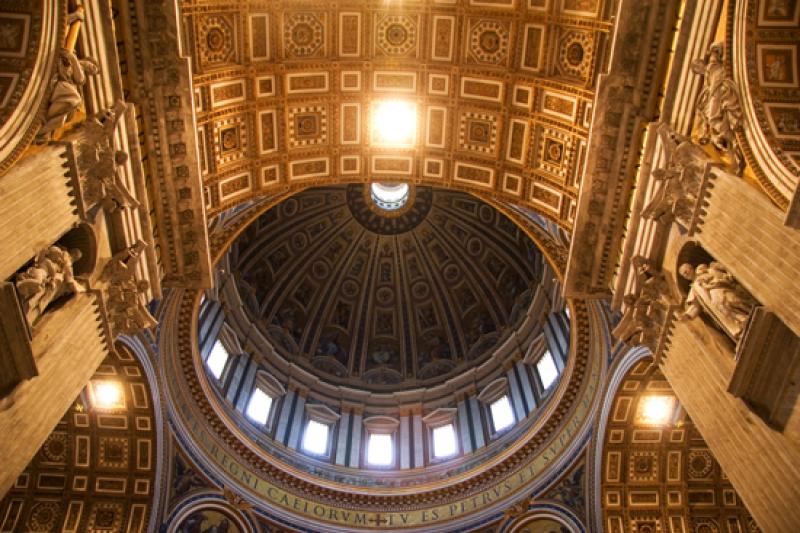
x=394, y=123
x=389, y=197
x=655, y=410
x=107, y=395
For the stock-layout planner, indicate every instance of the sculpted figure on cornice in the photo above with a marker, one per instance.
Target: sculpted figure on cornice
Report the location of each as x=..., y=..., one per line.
x=679, y=181
x=126, y=311
x=719, y=110
x=645, y=310
x=50, y=278
x=100, y=164
x=715, y=292
x=66, y=97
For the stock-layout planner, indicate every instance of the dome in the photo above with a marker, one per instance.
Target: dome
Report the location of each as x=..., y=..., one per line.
x=384, y=299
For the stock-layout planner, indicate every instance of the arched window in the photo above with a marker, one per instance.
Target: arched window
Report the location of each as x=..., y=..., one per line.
x=381, y=434
x=319, y=428
x=546, y=367
x=217, y=359
x=500, y=413
x=442, y=431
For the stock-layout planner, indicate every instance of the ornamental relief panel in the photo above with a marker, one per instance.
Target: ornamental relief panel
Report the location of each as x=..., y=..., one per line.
x=497, y=88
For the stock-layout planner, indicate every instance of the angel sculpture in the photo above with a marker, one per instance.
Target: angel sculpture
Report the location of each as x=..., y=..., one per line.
x=128, y=314
x=679, y=181
x=719, y=109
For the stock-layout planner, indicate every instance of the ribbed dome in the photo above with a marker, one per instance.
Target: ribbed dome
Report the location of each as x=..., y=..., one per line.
x=384, y=300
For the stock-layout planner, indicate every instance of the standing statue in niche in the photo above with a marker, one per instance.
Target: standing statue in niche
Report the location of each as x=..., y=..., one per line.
x=66, y=97
x=715, y=292
x=719, y=109
x=50, y=278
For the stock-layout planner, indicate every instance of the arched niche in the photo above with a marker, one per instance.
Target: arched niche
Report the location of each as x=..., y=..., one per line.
x=83, y=238
x=694, y=254
x=209, y=513
x=545, y=518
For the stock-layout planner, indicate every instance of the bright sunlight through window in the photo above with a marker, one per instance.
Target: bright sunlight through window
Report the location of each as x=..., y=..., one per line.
x=379, y=449
x=394, y=123
x=217, y=359
x=315, y=439
x=655, y=410
x=547, y=370
x=258, y=406
x=444, y=441
x=389, y=196
x=502, y=415
x=107, y=395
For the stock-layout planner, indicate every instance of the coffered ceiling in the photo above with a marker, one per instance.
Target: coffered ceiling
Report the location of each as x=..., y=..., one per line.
x=501, y=91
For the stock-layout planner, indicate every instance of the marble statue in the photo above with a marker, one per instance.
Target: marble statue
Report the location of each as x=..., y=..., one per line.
x=66, y=97
x=719, y=110
x=678, y=183
x=635, y=324
x=715, y=292
x=101, y=166
x=50, y=278
x=126, y=311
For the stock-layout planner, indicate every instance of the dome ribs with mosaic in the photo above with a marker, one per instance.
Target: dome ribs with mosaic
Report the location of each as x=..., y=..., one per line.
x=502, y=94
x=368, y=305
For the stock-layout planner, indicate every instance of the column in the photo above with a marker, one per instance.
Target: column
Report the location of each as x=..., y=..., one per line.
x=405, y=442
x=355, y=439
x=463, y=426
x=342, y=438
x=419, y=449
x=296, y=428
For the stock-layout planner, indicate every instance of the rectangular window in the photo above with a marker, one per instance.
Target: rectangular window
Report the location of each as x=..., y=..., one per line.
x=379, y=449
x=315, y=439
x=547, y=370
x=502, y=415
x=258, y=407
x=217, y=359
x=444, y=441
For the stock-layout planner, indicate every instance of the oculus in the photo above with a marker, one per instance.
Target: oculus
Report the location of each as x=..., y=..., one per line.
x=389, y=197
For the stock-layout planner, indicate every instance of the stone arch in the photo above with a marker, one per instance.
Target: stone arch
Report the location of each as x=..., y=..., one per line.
x=38, y=29
x=545, y=518
x=83, y=238
x=762, y=44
